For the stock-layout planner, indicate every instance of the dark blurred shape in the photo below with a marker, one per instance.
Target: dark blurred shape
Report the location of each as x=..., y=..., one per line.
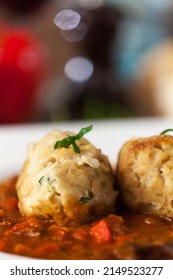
x=101, y=96
x=103, y=25
x=23, y=6
x=156, y=252
x=23, y=62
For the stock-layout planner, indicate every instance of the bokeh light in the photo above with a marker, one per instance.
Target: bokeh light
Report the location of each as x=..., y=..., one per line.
x=76, y=34
x=90, y=4
x=79, y=69
x=67, y=19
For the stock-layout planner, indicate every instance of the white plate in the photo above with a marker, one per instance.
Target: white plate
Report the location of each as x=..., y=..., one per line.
x=107, y=135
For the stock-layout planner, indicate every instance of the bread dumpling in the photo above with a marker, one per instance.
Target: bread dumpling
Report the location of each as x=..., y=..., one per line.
x=145, y=174
x=68, y=186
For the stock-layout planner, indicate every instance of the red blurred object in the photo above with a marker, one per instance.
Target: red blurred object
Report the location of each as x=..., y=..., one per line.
x=22, y=67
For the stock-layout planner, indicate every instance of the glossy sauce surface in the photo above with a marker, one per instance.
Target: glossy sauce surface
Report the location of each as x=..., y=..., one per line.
x=122, y=236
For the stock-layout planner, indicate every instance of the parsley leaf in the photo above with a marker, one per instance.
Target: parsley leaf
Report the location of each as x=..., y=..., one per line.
x=85, y=199
x=70, y=140
x=166, y=131
x=41, y=180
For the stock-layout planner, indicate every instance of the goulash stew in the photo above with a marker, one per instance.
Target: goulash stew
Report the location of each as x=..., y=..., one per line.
x=115, y=236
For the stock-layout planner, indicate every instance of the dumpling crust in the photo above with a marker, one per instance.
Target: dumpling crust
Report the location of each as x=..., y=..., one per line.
x=145, y=174
x=70, y=187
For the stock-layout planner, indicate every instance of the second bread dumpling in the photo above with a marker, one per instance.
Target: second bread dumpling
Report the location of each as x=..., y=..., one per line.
x=71, y=187
x=145, y=175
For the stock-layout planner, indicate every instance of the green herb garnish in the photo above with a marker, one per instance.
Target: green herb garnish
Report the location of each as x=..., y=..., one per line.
x=41, y=180
x=50, y=182
x=70, y=140
x=166, y=131
x=85, y=199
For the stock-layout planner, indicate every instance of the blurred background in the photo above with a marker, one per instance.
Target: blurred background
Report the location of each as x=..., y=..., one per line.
x=85, y=59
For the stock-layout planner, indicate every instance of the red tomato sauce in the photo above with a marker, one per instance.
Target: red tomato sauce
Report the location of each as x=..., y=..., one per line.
x=116, y=236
